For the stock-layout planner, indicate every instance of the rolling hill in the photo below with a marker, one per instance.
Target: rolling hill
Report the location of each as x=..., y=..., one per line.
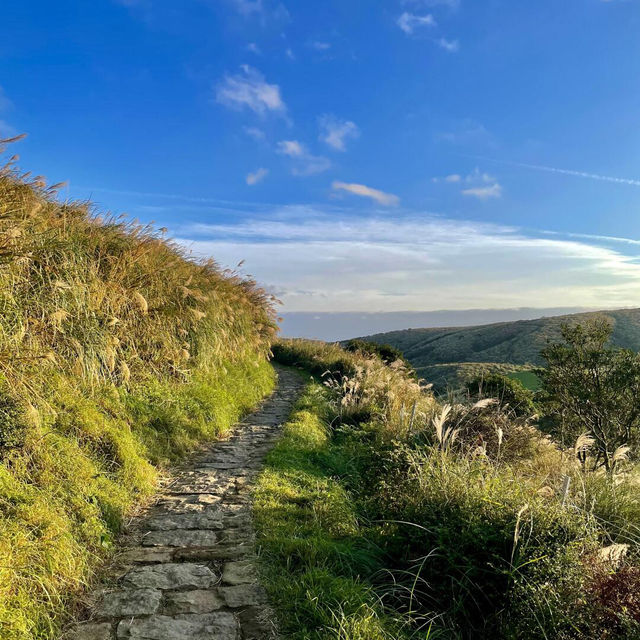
x=449, y=354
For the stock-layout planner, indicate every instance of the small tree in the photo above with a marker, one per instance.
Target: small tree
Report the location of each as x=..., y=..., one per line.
x=590, y=386
x=506, y=390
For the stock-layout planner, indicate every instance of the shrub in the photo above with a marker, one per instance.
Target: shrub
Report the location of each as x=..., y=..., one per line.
x=508, y=392
x=385, y=352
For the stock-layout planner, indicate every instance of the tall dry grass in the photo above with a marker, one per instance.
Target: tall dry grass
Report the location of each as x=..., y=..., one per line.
x=117, y=352
x=489, y=528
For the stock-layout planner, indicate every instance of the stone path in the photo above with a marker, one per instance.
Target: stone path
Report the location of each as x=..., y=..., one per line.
x=186, y=571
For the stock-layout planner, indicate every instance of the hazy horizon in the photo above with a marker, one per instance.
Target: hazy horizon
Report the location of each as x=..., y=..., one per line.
x=332, y=327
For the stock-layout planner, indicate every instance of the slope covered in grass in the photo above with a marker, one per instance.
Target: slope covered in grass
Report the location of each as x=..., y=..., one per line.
x=448, y=355
x=510, y=342
x=117, y=354
x=383, y=514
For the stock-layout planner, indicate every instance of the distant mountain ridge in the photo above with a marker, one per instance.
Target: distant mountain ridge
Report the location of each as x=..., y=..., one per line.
x=511, y=343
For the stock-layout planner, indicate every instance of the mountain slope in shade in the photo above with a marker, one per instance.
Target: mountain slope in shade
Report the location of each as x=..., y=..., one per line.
x=516, y=343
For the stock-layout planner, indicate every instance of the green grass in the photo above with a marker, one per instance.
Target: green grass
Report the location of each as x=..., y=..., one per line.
x=400, y=534
x=316, y=558
x=118, y=354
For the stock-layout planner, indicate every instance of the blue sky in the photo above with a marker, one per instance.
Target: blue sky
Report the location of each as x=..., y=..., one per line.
x=360, y=156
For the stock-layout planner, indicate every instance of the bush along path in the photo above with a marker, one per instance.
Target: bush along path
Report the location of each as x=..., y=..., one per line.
x=187, y=566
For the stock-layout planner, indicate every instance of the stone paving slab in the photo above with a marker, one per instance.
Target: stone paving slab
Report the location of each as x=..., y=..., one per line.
x=187, y=567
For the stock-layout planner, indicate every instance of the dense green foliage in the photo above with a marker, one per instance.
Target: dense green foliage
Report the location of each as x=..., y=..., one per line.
x=385, y=352
x=593, y=388
x=510, y=393
x=481, y=526
x=117, y=354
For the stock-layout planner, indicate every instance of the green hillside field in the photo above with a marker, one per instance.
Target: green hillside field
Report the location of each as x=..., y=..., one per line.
x=449, y=355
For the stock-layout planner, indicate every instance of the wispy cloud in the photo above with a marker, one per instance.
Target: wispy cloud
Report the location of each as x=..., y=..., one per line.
x=483, y=185
x=255, y=133
x=264, y=10
x=408, y=22
x=386, y=199
x=257, y=176
x=480, y=184
x=417, y=262
x=484, y=193
x=319, y=45
x=254, y=48
x=249, y=90
x=449, y=45
x=571, y=172
x=453, y=177
x=334, y=132
x=305, y=163
x=291, y=148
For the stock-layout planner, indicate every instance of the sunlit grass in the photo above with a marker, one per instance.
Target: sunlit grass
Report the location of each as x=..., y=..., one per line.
x=117, y=354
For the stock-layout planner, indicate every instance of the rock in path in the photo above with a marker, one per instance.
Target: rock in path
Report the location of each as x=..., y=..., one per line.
x=187, y=568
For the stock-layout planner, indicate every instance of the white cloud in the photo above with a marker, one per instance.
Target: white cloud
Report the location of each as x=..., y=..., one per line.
x=335, y=132
x=311, y=165
x=484, y=193
x=257, y=176
x=386, y=199
x=306, y=164
x=254, y=132
x=266, y=11
x=449, y=45
x=289, y=53
x=318, y=45
x=422, y=262
x=250, y=90
x=409, y=21
x=254, y=48
x=454, y=177
x=291, y=148
x=479, y=176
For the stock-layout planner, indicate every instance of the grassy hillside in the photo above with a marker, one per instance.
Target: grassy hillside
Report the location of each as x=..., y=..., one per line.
x=504, y=343
x=461, y=522
x=117, y=354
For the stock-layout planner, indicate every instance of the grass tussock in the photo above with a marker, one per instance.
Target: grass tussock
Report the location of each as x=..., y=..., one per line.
x=117, y=354
x=473, y=523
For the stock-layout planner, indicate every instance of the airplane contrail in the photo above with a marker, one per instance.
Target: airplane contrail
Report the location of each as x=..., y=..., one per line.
x=567, y=172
